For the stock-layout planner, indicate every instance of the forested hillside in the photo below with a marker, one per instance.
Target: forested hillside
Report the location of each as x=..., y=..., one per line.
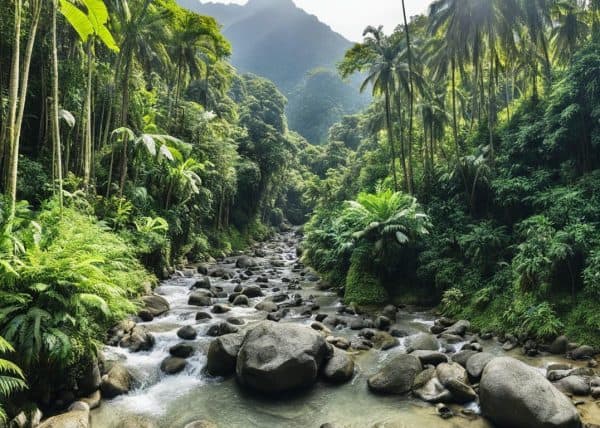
x=489, y=129
x=281, y=42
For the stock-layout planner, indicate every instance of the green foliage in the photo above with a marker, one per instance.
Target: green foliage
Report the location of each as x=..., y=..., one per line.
x=362, y=286
x=11, y=376
x=70, y=286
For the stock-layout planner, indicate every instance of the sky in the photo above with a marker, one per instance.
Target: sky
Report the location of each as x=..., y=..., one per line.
x=350, y=17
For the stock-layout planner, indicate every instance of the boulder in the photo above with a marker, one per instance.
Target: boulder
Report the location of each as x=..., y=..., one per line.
x=203, y=316
x=252, y=291
x=340, y=368
x=199, y=299
x=155, y=304
x=241, y=300
x=459, y=328
x=145, y=315
x=559, y=345
x=116, y=382
x=245, y=262
x=92, y=400
x=574, y=385
x=477, y=363
x=173, y=365
x=433, y=391
x=447, y=371
x=423, y=342
x=138, y=340
x=203, y=268
x=396, y=376
x=222, y=354
x=203, y=283
x=582, y=352
x=277, y=357
x=513, y=394
x=266, y=306
x=384, y=341
x=390, y=312
x=78, y=416
x=462, y=357
x=220, y=309
x=382, y=323
x=430, y=357
x=221, y=329
x=181, y=350
x=187, y=333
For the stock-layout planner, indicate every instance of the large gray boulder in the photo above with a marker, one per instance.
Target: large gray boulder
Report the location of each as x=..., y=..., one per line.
x=423, y=342
x=459, y=328
x=222, y=354
x=116, y=382
x=278, y=357
x=397, y=375
x=155, y=304
x=513, y=394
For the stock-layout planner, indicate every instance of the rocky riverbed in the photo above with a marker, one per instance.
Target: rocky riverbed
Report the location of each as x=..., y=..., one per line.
x=255, y=341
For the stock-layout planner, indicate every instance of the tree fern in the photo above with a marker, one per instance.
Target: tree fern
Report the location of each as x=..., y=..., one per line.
x=11, y=376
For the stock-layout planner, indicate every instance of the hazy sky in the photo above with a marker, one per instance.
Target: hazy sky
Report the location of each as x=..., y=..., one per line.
x=350, y=17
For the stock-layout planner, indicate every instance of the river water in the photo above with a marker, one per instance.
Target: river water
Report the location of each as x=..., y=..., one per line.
x=172, y=401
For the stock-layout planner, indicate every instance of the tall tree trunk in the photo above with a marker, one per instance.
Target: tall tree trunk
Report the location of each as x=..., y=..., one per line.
x=87, y=140
x=124, y=118
x=491, y=97
x=13, y=100
x=55, y=108
x=36, y=11
x=390, y=136
x=411, y=103
x=401, y=139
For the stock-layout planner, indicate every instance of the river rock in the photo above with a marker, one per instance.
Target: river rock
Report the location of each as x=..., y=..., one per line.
x=266, y=306
x=77, y=417
x=138, y=340
x=155, y=304
x=221, y=329
x=202, y=283
x=574, y=385
x=423, y=342
x=220, y=309
x=198, y=298
x=396, y=376
x=187, y=333
x=241, y=300
x=145, y=315
x=181, y=350
x=280, y=357
x=447, y=371
x=173, y=365
x=203, y=268
x=430, y=357
x=116, y=382
x=459, y=328
x=582, y=352
x=245, y=262
x=433, y=391
x=513, y=394
x=559, y=345
x=340, y=368
x=384, y=341
x=203, y=316
x=462, y=357
x=382, y=322
x=252, y=291
x=222, y=354
x=390, y=312
x=477, y=363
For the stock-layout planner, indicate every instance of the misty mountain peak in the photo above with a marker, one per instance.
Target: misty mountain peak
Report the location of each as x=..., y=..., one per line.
x=270, y=4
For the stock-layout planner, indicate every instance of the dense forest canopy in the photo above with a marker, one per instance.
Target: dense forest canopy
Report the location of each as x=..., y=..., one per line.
x=130, y=145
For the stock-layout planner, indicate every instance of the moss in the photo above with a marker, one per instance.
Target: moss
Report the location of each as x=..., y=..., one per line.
x=362, y=286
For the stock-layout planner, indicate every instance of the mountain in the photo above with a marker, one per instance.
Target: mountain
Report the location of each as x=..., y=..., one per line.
x=278, y=40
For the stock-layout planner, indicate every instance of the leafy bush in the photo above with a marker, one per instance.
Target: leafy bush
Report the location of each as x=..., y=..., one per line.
x=11, y=377
x=363, y=287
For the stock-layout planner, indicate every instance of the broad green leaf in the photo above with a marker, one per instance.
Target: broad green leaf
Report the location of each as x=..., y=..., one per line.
x=78, y=19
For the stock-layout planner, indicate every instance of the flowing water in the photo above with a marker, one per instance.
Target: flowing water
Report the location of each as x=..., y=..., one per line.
x=172, y=401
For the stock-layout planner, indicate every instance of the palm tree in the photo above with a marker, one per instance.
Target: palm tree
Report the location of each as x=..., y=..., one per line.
x=377, y=56
x=570, y=29
x=411, y=100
